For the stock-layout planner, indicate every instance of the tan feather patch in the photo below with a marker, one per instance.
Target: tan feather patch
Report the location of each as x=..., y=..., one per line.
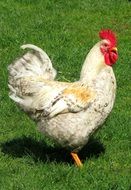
x=81, y=93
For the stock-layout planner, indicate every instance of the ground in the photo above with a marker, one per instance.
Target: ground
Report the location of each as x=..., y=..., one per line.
x=66, y=30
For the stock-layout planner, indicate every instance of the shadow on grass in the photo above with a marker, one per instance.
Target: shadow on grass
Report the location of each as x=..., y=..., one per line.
x=40, y=151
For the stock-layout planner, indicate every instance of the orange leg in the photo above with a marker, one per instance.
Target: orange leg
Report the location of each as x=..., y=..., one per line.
x=76, y=159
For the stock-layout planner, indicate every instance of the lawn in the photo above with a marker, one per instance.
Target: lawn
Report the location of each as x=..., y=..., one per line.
x=66, y=30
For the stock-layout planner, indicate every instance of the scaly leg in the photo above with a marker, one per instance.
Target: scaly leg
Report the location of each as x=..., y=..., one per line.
x=76, y=159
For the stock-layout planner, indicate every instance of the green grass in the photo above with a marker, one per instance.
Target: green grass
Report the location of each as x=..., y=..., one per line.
x=66, y=30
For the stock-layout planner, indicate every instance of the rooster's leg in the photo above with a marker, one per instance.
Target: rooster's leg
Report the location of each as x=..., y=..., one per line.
x=76, y=159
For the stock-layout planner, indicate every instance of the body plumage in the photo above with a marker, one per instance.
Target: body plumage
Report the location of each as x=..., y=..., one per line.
x=67, y=112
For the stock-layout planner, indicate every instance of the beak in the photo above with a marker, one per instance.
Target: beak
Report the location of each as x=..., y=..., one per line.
x=114, y=49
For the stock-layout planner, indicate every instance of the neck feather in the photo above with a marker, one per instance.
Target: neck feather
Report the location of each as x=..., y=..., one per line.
x=93, y=64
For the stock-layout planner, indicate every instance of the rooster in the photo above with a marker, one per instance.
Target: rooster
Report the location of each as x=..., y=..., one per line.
x=67, y=112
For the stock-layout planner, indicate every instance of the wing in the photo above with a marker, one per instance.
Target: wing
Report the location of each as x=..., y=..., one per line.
x=73, y=98
x=51, y=97
x=54, y=97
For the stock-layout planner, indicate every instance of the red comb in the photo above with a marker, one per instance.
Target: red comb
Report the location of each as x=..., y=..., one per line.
x=108, y=35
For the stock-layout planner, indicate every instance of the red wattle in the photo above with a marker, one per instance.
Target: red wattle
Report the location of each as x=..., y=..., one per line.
x=113, y=57
x=110, y=58
x=107, y=59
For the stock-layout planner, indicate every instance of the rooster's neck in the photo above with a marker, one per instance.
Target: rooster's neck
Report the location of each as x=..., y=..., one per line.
x=92, y=66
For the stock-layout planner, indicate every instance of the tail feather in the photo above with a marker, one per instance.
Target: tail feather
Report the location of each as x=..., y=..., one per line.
x=43, y=55
x=34, y=63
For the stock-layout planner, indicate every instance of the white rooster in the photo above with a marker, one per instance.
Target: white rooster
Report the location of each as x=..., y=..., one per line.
x=67, y=112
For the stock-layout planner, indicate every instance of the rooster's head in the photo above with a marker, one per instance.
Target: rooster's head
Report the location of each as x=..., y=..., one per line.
x=108, y=46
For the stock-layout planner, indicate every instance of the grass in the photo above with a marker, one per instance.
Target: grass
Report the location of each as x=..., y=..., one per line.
x=66, y=30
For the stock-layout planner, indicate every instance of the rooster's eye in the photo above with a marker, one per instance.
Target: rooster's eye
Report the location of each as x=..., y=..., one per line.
x=105, y=45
